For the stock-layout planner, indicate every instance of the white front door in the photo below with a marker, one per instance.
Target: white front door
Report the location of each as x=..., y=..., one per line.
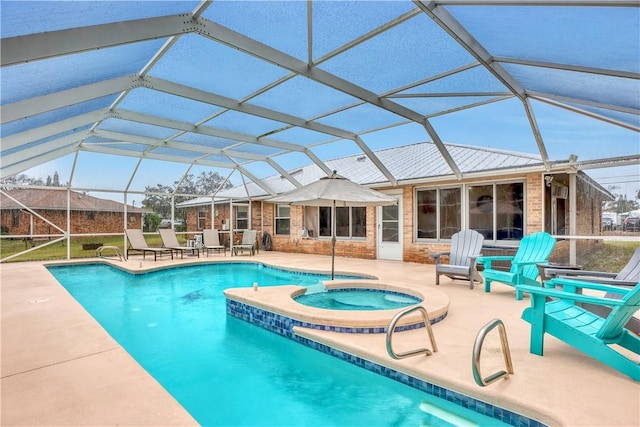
x=390, y=230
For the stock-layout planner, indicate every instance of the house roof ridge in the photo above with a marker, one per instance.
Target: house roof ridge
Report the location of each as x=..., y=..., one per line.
x=42, y=198
x=448, y=144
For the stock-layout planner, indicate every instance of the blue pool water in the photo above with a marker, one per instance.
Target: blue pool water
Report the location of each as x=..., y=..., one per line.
x=357, y=299
x=225, y=371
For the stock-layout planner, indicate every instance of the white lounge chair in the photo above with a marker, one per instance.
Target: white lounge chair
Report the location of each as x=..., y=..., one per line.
x=248, y=243
x=211, y=242
x=139, y=244
x=169, y=240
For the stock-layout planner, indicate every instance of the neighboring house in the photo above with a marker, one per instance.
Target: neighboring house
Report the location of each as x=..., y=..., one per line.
x=88, y=214
x=503, y=195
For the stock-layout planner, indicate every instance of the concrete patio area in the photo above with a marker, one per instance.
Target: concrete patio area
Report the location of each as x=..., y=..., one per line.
x=59, y=367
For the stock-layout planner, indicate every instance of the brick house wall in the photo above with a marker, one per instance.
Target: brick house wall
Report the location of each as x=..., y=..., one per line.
x=82, y=222
x=357, y=248
x=588, y=222
x=534, y=204
x=263, y=219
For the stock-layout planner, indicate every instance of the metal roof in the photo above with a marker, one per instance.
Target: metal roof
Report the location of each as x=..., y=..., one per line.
x=407, y=163
x=250, y=89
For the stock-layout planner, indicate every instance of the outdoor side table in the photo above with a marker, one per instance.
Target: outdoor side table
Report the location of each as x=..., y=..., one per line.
x=542, y=267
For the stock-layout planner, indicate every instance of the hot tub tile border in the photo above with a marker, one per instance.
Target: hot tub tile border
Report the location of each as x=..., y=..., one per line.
x=283, y=326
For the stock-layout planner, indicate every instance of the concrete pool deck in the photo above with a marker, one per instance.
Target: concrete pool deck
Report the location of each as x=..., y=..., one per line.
x=59, y=367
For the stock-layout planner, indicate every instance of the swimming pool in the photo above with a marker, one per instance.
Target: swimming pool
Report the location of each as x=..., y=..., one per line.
x=228, y=372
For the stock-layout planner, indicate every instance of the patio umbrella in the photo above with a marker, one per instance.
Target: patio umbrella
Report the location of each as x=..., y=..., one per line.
x=333, y=191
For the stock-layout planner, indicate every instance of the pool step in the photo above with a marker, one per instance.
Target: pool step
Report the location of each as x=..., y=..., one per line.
x=315, y=289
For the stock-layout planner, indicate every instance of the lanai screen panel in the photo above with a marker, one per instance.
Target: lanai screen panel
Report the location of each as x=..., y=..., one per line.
x=258, y=83
x=596, y=37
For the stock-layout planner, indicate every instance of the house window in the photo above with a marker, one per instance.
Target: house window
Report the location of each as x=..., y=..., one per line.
x=324, y=221
x=283, y=219
x=15, y=217
x=91, y=215
x=359, y=222
x=439, y=213
x=351, y=222
x=241, y=216
x=342, y=222
x=311, y=220
x=497, y=210
x=202, y=218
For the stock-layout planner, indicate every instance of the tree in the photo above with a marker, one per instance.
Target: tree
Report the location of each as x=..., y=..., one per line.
x=152, y=221
x=625, y=205
x=158, y=203
x=204, y=184
x=23, y=179
x=621, y=204
x=208, y=182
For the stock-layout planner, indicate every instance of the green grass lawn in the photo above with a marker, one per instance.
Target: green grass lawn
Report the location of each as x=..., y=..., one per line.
x=58, y=250
x=611, y=257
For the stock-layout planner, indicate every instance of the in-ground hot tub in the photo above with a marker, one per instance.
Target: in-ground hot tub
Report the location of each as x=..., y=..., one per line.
x=278, y=307
x=358, y=299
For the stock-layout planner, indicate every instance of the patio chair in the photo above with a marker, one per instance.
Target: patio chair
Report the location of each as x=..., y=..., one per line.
x=627, y=277
x=582, y=329
x=465, y=249
x=534, y=248
x=170, y=241
x=211, y=242
x=248, y=243
x=138, y=243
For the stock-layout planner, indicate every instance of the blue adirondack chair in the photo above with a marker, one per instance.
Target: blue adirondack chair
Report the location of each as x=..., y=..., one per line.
x=582, y=329
x=534, y=248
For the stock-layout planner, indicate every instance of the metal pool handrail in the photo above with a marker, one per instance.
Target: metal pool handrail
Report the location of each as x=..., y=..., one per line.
x=427, y=323
x=116, y=249
x=506, y=353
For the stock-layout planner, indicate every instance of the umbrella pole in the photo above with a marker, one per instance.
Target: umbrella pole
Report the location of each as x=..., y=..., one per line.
x=333, y=239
